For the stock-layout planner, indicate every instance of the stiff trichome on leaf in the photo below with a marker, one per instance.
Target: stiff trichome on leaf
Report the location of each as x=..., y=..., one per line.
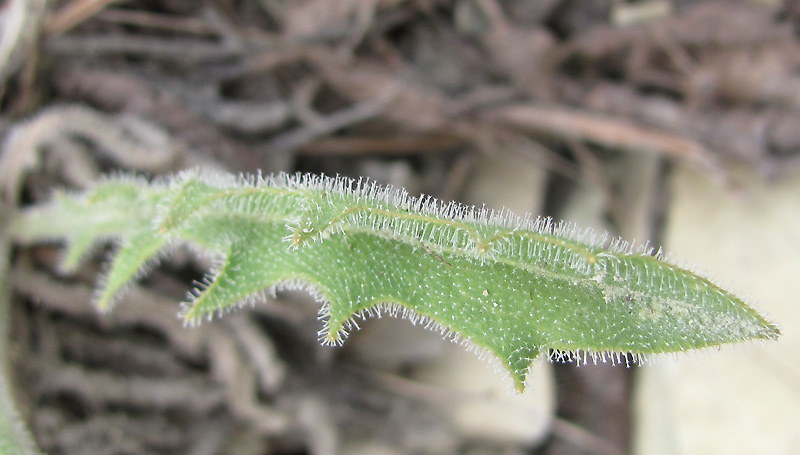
x=508, y=285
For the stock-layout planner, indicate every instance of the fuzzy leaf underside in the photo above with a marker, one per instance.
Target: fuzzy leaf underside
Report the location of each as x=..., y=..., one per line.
x=509, y=286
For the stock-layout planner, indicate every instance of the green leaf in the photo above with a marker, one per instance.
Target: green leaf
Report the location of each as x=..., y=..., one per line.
x=515, y=287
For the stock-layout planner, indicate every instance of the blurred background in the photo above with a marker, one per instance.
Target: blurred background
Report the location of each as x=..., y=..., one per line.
x=673, y=121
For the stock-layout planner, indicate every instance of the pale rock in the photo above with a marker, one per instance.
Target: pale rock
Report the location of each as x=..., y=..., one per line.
x=390, y=343
x=369, y=448
x=504, y=179
x=742, y=399
x=483, y=408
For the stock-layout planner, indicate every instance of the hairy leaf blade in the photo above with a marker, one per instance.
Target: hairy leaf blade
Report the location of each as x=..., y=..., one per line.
x=508, y=286
x=131, y=259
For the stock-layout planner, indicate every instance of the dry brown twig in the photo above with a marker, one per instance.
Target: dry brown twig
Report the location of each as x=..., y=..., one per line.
x=609, y=132
x=73, y=14
x=20, y=22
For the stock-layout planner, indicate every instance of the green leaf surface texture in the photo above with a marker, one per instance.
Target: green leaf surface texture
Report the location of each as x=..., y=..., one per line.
x=507, y=285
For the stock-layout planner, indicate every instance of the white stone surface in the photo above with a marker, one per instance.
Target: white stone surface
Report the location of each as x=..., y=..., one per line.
x=742, y=399
x=485, y=409
x=507, y=179
x=392, y=343
x=369, y=448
